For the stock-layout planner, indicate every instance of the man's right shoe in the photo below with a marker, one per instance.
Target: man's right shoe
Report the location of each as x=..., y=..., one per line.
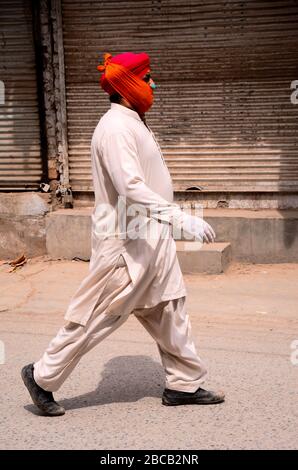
x=41, y=398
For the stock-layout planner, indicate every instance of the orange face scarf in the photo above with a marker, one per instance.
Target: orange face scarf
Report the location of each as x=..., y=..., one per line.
x=137, y=92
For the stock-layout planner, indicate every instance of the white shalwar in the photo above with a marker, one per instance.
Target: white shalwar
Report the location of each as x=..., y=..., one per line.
x=130, y=271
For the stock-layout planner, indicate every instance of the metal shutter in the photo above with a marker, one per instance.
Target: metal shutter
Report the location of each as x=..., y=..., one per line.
x=223, y=69
x=20, y=154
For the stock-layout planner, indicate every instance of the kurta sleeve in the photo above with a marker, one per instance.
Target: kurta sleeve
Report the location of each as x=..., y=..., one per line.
x=120, y=158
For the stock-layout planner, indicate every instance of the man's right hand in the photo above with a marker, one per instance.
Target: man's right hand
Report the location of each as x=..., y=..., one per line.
x=198, y=228
x=209, y=234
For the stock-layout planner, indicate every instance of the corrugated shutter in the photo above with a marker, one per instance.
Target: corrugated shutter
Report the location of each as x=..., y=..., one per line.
x=20, y=154
x=222, y=109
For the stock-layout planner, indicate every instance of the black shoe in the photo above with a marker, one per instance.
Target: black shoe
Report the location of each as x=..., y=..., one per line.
x=41, y=398
x=200, y=397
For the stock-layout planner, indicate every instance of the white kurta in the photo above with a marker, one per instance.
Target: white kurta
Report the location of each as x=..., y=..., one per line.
x=127, y=162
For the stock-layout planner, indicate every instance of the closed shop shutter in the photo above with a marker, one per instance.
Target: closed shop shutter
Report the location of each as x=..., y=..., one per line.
x=20, y=154
x=223, y=69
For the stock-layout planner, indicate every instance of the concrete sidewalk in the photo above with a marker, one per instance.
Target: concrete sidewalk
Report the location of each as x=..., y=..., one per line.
x=243, y=321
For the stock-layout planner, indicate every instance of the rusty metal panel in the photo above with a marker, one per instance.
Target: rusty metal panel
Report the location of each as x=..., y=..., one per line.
x=20, y=154
x=223, y=69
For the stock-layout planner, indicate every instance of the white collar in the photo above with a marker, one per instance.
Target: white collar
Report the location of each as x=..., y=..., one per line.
x=125, y=110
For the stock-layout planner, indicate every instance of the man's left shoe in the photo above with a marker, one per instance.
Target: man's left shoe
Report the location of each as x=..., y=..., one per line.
x=43, y=399
x=200, y=397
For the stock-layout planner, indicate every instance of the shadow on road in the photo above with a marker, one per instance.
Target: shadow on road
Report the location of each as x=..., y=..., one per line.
x=124, y=379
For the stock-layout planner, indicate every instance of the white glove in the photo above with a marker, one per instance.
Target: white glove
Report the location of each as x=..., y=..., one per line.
x=209, y=234
x=198, y=228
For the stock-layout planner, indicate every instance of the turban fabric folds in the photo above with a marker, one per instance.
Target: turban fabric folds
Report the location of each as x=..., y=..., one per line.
x=123, y=74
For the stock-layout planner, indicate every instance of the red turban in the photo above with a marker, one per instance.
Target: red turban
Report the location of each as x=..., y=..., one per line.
x=123, y=75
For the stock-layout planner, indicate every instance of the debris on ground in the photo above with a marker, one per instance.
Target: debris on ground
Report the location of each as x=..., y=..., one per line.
x=16, y=263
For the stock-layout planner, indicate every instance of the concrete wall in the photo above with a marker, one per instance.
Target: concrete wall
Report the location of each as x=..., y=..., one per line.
x=219, y=200
x=264, y=236
x=22, y=224
x=268, y=236
x=69, y=234
x=245, y=200
x=27, y=225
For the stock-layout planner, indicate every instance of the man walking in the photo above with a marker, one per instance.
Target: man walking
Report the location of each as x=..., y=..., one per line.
x=133, y=266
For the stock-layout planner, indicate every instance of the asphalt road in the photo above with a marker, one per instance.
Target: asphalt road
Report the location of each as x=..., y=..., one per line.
x=243, y=321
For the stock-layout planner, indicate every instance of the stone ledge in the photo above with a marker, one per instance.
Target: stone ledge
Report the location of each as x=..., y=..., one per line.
x=213, y=258
x=267, y=236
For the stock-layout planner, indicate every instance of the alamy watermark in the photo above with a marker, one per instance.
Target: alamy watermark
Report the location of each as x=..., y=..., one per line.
x=294, y=354
x=153, y=221
x=2, y=352
x=2, y=92
x=294, y=94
